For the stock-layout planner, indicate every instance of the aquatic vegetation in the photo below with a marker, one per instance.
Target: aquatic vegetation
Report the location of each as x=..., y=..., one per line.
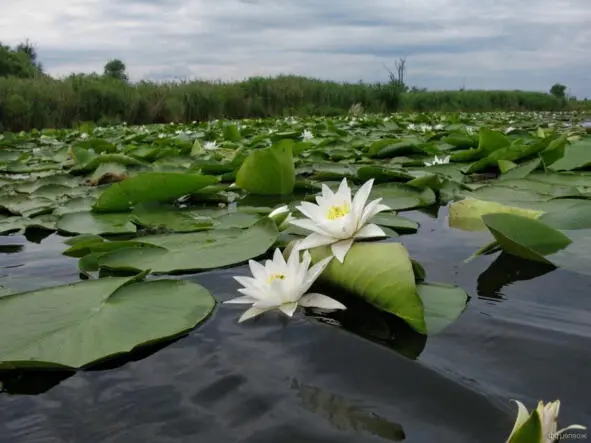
x=175, y=199
x=541, y=426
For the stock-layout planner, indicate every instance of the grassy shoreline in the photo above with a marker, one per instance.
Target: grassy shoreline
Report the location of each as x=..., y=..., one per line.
x=44, y=102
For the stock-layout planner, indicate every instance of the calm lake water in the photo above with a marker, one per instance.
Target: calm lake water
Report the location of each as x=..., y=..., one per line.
x=355, y=376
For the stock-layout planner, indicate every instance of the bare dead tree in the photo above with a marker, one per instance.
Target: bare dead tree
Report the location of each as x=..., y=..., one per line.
x=397, y=77
x=400, y=69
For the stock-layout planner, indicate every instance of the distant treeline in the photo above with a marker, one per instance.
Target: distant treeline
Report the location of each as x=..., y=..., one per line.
x=43, y=102
x=29, y=98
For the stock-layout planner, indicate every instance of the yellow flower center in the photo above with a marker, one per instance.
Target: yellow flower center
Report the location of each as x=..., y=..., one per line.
x=274, y=277
x=335, y=212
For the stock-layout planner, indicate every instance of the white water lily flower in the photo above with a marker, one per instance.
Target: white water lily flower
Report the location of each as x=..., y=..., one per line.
x=509, y=129
x=210, y=146
x=438, y=127
x=411, y=126
x=84, y=136
x=438, y=161
x=548, y=414
x=307, y=135
x=282, y=285
x=337, y=220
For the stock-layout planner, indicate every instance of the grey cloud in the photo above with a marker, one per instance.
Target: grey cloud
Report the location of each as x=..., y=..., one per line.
x=494, y=44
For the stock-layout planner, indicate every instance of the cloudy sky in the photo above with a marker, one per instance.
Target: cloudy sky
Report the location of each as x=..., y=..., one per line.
x=490, y=44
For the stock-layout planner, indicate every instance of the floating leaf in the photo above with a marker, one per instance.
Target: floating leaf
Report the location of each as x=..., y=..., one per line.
x=525, y=237
x=195, y=251
x=380, y=273
x=400, y=196
x=95, y=223
x=268, y=171
x=150, y=187
x=75, y=325
x=467, y=214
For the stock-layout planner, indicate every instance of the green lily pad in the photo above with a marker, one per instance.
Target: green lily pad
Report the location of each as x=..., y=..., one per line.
x=467, y=214
x=525, y=237
x=268, y=171
x=195, y=251
x=380, y=273
x=399, y=196
x=87, y=222
x=75, y=325
x=150, y=187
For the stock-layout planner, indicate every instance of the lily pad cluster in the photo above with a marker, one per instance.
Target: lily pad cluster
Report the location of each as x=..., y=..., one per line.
x=174, y=199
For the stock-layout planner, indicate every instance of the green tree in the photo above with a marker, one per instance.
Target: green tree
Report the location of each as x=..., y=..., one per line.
x=18, y=62
x=116, y=69
x=558, y=90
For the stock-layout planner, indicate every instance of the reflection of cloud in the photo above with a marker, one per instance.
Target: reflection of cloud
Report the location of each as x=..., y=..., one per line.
x=345, y=415
x=528, y=44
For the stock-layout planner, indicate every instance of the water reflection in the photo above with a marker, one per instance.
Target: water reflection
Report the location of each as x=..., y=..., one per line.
x=504, y=271
x=11, y=249
x=31, y=382
x=345, y=415
x=381, y=327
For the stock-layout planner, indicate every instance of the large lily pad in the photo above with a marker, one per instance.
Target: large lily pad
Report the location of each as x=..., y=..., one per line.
x=467, y=214
x=195, y=251
x=401, y=196
x=380, y=273
x=525, y=237
x=150, y=187
x=75, y=325
x=268, y=171
x=87, y=222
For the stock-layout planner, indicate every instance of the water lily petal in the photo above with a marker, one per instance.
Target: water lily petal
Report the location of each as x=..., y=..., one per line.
x=278, y=258
x=315, y=300
x=258, y=270
x=288, y=308
x=313, y=240
x=310, y=210
x=247, y=282
x=371, y=210
x=344, y=191
x=327, y=193
x=245, y=299
x=370, y=231
x=309, y=225
x=254, y=293
x=522, y=416
x=361, y=197
x=340, y=249
x=312, y=274
x=251, y=313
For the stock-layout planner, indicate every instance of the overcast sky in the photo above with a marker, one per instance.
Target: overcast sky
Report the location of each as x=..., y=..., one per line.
x=491, y=44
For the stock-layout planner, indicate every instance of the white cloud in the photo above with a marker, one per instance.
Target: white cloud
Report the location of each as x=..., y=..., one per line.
x=500, y=44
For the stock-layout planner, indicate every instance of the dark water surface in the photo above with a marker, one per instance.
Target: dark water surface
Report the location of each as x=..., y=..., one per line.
x=355, y=376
